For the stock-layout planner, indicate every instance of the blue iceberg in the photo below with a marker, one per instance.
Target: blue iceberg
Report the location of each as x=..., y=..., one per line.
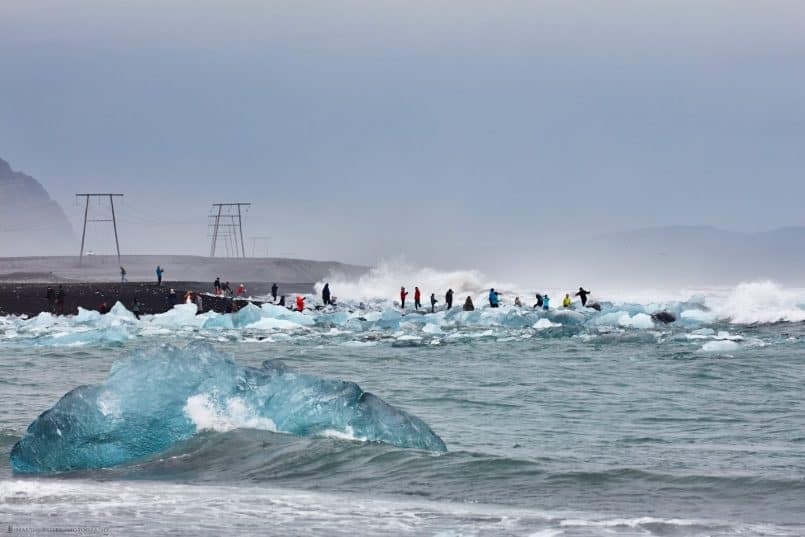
x=153, y=399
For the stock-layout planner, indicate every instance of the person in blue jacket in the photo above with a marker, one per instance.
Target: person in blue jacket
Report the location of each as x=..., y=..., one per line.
x=546, y=303
x=494, y=298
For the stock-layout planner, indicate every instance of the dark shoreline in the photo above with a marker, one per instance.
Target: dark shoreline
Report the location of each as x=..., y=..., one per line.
x=30, y=298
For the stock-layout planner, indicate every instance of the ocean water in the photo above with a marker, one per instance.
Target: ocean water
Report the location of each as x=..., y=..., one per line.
x=556, y=424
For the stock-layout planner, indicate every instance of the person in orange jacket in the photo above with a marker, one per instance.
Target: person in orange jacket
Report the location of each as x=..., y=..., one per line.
x=300, y=303
x=417, y=298
x=403, y=294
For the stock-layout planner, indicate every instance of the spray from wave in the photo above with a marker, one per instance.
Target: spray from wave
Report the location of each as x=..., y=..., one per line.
x=384, y=281
x=761, y=302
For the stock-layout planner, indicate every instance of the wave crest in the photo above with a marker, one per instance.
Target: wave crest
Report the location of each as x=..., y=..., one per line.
x=152, y=400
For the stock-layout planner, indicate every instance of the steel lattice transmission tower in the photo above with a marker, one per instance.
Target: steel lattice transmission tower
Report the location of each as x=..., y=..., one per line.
x=226, y=225
x=86, y=219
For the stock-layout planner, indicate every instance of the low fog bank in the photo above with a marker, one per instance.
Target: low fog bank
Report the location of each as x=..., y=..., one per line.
x=669, y=258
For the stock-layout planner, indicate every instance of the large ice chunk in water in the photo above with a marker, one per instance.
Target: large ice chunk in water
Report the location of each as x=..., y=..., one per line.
x=156, y=398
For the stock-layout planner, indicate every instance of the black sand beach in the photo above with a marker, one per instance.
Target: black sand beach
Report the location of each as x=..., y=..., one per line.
x=30, y=298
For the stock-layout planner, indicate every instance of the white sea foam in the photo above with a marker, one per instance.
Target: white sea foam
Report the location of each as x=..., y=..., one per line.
x=235, y=414
x=762, y=302
x=198, y=508
x=347, y=434
x=720, y=346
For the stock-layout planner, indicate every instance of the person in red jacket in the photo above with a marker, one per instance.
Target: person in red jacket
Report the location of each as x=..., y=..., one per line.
x=241, y=290
x=300, y=303
x=403, y=294
x=417, y=298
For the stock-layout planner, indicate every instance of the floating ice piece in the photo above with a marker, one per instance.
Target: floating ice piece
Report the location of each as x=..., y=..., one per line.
x=544, y=324
x=566, y=316
x=269, y=323
x=698, y=316
x=218, y=322
x=120, y=312
x=723, y=334
x=720, y=346
x=154, y=399
x=640, y=320
x=279, y=312
x=86, y=316
x=180, y=316
x=432, y=329
x=704, y=332
x=247, y=315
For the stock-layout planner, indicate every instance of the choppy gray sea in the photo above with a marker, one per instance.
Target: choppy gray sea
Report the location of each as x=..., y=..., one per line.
x=579, y=429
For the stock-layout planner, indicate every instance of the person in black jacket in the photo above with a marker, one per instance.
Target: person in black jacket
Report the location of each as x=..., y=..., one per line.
x=582, y=294
x=325, y=294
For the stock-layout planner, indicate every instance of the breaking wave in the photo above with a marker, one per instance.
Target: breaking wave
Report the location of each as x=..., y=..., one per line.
x=383, y=282
x=762, y=303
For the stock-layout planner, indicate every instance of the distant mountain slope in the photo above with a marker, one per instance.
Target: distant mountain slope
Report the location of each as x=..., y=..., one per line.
x=702, y=255
x=30, y=221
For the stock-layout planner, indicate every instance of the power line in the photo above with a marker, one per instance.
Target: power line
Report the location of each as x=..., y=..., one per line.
x=264, y=240
x=86, y=214
x=226, y=221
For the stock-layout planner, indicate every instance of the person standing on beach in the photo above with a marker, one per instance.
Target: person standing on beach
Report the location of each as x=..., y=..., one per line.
x=448, y=298
x=403, y=294
x=300, y=303
x=325, y=294
x=241, y=290
x=60, y=300
x=582, y=294
x=159, y=272
x=433, y=302
x=217, y=285
x=417, y=298
x=494, y=298
x=51, y=296
x=123, y=275
x=274, y=289
x=172, y=298
x=135, y=309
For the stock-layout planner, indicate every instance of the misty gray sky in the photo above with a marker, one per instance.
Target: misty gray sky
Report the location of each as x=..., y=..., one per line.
x=451, y=132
